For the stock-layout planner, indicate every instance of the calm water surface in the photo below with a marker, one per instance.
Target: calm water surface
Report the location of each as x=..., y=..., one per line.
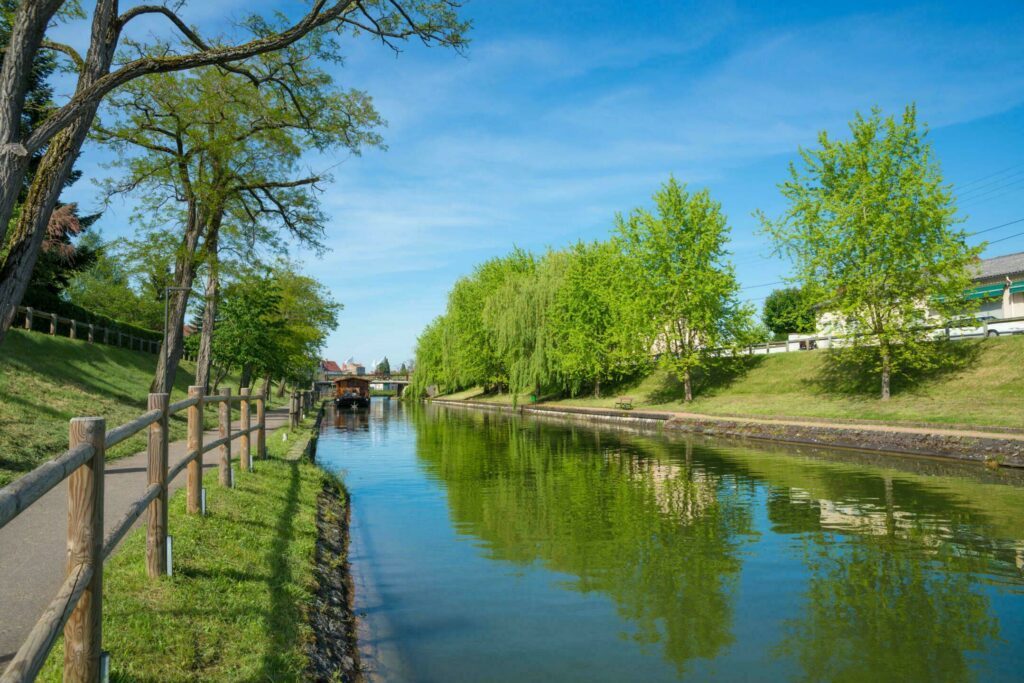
x=493, y=548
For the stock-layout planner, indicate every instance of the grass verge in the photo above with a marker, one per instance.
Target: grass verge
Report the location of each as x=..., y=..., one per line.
x=45, y=381
x=987, y=391
x=243, y=578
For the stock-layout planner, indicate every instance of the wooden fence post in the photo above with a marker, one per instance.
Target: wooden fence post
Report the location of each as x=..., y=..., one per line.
x=53, y=323
x=83, y=632
x=261, y=420
x=106, y=335
x=195, y=445
x=245, y=457
x=156, y=469
x=28, y=318
x=74, y=329
x=224, y=475
x=293, y=411
x=92, y=333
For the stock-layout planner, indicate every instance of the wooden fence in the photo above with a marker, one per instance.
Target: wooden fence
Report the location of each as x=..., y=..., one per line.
x=77, y=607
x=87, y=331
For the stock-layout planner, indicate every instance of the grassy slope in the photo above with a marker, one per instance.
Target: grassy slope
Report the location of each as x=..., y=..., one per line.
x=45, y=381
x=243, y=575
x=988, y=391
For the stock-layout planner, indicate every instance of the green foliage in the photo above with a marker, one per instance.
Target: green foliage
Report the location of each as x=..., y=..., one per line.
x=384, y=368
x=870, y=230
x=789, y=310
x=686, y=288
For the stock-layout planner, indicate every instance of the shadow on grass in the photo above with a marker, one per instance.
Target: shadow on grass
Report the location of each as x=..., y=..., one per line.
x=856, y=372
x=285, y=614
x=718, y=375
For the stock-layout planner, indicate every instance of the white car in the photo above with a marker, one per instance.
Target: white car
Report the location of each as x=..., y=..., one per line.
x=983, y=325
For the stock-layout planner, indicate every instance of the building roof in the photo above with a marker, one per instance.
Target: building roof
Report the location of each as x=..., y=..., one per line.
x=350, y=379
x=330, y=366
x=1000, y=266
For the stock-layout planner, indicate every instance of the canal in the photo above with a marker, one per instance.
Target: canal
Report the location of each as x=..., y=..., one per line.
x=487, y=547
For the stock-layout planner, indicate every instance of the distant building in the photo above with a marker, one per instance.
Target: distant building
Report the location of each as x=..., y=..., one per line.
x=999, y=286
x=329, y=371
x=350, y=367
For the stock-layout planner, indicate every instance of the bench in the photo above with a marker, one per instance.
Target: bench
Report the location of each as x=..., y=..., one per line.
x=624, y=402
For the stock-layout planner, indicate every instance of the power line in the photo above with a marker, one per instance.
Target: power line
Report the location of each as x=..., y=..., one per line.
x=995, y=192
x=1003, y=239
x=995, y=227
x=766, y=284
x=993, y=183
x=992, y=175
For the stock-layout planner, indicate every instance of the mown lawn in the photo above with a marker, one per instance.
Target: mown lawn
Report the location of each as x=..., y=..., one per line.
x=985, y=388
x=45, y=381
x=234, y=610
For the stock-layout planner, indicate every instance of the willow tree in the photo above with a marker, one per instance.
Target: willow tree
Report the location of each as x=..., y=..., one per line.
x=598, y=332
x=519, y=318
x=870, y=230
x=685, y=285
x=63, y=131
x=218, y=158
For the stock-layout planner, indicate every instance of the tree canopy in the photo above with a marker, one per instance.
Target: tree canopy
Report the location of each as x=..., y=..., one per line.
x=870, y=228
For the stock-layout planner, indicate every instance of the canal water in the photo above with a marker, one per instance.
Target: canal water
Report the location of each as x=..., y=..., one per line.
x=487, y=547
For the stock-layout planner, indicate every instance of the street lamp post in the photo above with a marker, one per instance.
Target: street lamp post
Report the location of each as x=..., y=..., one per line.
x=167, y=294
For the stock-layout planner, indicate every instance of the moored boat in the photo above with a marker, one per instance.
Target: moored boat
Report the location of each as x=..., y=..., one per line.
x=351, y=392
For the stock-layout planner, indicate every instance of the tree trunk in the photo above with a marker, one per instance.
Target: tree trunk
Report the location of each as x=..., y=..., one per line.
x=246, y=377
x=280, y=388
x=60, y=155
x=266, y=386
x=687, y=386
x=597, y=389
x=884, y=350
x=28, y=27
x=204, y=361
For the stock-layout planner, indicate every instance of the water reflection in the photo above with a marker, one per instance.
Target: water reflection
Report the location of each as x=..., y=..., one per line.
x=892, y=573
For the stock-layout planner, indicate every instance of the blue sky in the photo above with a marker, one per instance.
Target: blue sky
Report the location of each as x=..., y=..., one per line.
x=561, y=114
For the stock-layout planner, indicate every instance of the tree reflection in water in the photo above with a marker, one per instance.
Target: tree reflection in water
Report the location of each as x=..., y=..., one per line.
x=894, y=563
x=658, y=538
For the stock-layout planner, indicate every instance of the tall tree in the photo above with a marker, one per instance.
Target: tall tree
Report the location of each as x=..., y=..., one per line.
x=686, y=284
x=214, y=154
x=63, y=131
x=599, y=332
x=870, y=230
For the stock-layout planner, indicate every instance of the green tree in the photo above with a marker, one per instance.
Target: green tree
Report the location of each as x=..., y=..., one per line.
x=384, y=368
x=870, y=230
x=211, y=153
x=789, y=310
x=598, y=330
x=686, y=288
x=63, y=130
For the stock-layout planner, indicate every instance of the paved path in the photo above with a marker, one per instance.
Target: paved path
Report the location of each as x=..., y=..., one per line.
x=32, y=547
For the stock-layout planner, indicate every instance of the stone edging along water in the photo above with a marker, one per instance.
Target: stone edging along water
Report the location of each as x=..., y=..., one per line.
x=987, y=450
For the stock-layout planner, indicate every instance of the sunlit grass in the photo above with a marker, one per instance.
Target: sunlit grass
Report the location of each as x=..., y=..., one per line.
x=45, y=381
x=989, y=391
x=243, y=575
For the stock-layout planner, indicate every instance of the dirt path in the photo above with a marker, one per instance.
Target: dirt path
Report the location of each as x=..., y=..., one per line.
x=32, y=547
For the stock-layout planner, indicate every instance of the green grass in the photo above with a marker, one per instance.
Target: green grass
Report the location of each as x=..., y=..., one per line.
x=986, y=389
x=243, y=575
x=45, y=381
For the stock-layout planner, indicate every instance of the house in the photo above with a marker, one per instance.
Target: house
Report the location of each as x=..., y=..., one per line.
x=350, y=367
x=329, y=371
x=999, y=286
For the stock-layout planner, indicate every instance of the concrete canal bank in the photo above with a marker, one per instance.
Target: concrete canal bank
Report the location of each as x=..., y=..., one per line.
x=992, y=447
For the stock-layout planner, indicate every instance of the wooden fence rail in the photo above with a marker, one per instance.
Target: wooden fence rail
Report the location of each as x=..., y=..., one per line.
x=93, y=333
x=77, y=608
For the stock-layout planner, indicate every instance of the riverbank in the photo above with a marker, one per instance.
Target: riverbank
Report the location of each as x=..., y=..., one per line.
x=988, y=447
x=245, y=600
x=982, y=388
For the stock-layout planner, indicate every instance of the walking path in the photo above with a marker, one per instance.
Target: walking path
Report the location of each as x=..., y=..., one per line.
x=32, y=547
